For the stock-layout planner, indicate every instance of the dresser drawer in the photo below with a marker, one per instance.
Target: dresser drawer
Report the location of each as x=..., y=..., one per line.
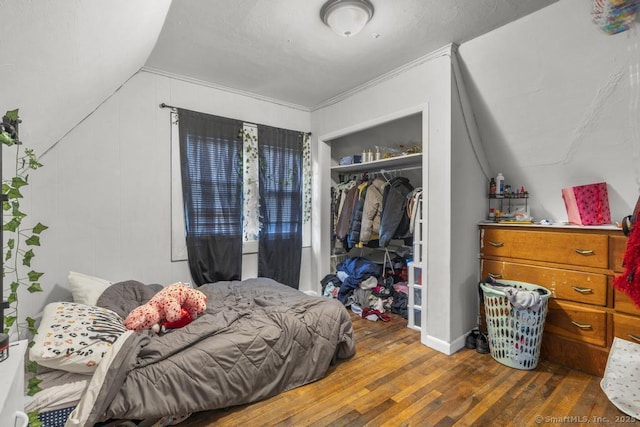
x=587, y=250
x=588, y=288
x=577, y=322
x=623, y=303
x=617, y=248
x=626, y=327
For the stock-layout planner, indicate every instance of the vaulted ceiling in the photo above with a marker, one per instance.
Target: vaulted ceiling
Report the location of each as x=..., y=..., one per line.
x=282, y=50
x=61, y=59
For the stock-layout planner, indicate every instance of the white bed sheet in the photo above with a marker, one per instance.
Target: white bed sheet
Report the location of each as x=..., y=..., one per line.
x=60, y=389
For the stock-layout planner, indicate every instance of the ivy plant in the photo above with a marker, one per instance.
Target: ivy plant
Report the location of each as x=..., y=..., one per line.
x=20, y=240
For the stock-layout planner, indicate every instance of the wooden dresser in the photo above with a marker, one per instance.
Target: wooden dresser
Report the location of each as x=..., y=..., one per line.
x=577, y=264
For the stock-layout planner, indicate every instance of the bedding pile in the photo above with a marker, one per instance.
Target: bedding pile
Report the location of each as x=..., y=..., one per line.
x=257, y=338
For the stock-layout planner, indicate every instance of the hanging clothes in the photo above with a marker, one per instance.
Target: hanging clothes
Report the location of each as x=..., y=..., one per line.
x=346, y=213
x=372, y=211
x=413, y=203
x=356, y=219
x=338, y=195
x=394, y=221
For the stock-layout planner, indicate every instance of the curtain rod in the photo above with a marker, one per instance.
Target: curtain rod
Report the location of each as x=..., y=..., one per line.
x=163, y=105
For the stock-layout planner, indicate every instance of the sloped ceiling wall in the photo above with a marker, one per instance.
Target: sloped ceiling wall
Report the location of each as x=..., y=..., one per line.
x=556, y=100
x=60, y=59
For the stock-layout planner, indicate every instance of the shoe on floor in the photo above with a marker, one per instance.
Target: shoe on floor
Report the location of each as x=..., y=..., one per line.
x=482, y=344
x=472, y=338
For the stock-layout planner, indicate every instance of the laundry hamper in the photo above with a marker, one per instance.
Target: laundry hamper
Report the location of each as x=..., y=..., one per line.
x=515, y=335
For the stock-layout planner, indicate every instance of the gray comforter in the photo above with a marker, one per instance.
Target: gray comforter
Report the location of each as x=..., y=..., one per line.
x=256, y=339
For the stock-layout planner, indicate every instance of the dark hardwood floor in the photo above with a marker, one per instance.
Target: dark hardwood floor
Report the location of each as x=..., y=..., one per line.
x=393, y=380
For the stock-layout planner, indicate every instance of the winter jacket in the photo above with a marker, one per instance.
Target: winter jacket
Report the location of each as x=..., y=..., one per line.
x=371, y=211
x=344, y=220
x=356, y=218
x=394, y=221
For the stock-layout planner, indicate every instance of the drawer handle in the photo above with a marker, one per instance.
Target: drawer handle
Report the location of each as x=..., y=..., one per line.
x=495, y=276
x=581, y=325
x=634, y=337
x=585, y=252
x=496, y=244
x=582, y=290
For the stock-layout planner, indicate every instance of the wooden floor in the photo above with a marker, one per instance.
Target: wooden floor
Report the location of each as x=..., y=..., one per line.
x=393, y=380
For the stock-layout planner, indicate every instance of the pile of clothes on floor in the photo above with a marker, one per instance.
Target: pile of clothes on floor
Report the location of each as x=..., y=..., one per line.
x=369, y=289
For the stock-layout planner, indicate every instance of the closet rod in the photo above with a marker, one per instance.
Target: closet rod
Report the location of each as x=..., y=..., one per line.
x=410, y=168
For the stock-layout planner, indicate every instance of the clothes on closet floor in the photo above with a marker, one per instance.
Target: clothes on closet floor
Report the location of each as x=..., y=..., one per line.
x=371, y=212
x=368, y=288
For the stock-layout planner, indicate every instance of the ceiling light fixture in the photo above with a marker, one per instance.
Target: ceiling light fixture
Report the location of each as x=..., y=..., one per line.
x=346, y=17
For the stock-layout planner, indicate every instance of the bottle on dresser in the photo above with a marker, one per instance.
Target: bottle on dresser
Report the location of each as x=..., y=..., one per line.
x=500, y=185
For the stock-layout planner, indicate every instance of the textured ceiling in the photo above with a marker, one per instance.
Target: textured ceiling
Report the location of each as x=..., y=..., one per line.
x=281, y=49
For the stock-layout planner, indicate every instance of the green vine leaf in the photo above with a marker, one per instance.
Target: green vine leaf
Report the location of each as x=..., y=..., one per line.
x=33, y=386
x=18, y=181
x=34, y=276
x=12, y=115
x=14, y=286
x=6, y=139
x=14, y=193
x=5, y=205
x=13, y=297
x=12, y=225
x=8, y=256
x=9, y=321
x=16, y=213
x=34, y=164
x=34, y=421
x=39, y=228
x=11, y=243
x=35, y=288
x=33, y=241
x=26, y=259
x=31, y=325
x=32, y=367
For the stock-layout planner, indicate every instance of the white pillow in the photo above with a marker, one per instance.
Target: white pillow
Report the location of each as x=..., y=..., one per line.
x=75, y=337
x=86, y=289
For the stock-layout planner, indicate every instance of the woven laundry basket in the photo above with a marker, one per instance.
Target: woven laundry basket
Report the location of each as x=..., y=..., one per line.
x=515, y=335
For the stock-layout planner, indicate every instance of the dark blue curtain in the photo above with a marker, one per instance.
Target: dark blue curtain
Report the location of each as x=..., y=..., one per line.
x=210, y=153
x=280, y=243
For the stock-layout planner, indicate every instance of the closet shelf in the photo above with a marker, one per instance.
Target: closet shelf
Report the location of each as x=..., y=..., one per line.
x=391, y=162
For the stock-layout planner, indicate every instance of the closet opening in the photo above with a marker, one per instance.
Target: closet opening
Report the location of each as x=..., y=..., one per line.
x=376, y=230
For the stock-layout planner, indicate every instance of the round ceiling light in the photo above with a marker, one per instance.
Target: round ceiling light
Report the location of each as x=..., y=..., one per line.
x=346, y=17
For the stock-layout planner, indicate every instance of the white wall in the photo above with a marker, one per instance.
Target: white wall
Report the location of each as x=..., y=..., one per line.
x=556, y=101
x=105, y=189
x=56, y=68
x=426, y=82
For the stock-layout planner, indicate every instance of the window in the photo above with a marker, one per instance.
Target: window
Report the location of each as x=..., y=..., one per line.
x=214, y=185
x=280, y=193
x=224, y=177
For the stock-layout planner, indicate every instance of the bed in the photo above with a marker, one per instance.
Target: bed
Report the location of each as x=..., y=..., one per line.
x=257, y=338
